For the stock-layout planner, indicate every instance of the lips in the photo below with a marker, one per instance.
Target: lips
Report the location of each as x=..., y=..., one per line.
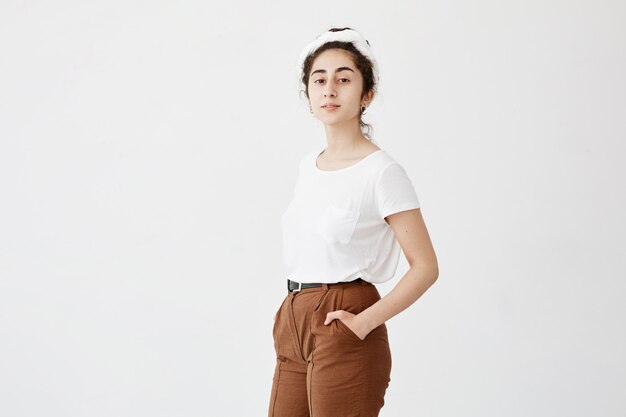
x=330, y=106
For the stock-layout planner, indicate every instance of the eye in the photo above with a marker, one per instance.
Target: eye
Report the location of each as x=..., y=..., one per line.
x=319, y=79
x=348, y=80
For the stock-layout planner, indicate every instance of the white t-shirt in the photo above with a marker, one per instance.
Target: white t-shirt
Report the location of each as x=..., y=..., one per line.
x=334, y=229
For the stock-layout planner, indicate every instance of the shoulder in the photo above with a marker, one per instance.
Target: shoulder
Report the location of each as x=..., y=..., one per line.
x=383, y=162
x=307, y=159
x=390, y=173
x=311, y=154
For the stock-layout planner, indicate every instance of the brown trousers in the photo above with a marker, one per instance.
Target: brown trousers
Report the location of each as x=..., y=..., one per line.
x=327, y=370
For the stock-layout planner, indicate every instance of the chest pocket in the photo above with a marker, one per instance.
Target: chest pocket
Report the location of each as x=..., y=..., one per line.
x=336, y=224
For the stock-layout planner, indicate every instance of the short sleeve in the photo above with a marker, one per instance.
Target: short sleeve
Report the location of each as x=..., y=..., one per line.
x=395, y=191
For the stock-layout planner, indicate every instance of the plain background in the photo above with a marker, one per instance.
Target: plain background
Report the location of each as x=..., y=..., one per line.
x=149, y=148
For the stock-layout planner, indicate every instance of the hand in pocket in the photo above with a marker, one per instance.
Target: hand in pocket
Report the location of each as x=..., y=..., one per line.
x=350, y=320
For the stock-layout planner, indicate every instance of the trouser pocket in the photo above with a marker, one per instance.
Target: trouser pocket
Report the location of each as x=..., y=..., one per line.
x=350, y=298
x=348, y=330
x=355, y=299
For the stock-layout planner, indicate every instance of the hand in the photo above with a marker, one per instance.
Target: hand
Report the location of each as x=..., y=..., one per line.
x=351, y=320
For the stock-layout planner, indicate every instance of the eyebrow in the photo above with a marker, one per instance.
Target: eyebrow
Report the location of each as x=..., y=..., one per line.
x=337, y=70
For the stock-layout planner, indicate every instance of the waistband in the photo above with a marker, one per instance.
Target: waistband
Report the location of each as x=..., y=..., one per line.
x=293, y=286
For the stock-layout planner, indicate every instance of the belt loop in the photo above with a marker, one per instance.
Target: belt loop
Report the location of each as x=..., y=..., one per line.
x=325, y=286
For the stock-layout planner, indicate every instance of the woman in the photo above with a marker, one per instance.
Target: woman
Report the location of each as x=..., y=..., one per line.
x=352, y=211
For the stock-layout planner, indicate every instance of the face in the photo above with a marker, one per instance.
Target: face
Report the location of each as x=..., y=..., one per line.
x=336, y=80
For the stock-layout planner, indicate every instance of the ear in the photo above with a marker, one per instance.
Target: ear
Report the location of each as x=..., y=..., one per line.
x=368, y=97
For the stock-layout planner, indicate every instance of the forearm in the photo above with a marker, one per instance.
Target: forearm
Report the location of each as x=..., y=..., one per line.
x=411, y=287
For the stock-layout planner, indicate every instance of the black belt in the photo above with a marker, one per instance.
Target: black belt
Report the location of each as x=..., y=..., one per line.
x=297, y=286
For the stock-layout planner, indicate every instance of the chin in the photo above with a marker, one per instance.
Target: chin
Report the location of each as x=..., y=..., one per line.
x=334, y=119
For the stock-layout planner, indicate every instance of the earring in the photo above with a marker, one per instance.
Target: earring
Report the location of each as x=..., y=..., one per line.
x=363, y=110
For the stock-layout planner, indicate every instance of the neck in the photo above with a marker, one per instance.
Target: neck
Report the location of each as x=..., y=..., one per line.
x=344, y=139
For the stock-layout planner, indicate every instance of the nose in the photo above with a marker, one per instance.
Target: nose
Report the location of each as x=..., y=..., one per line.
x=329, y=90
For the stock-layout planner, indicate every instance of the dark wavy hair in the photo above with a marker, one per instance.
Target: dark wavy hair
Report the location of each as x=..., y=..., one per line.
x=363, y=64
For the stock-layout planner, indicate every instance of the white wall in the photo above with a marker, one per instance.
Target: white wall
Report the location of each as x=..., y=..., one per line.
x=148, y=149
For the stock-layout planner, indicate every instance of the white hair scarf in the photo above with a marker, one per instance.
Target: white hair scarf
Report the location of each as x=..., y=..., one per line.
x=347, y=35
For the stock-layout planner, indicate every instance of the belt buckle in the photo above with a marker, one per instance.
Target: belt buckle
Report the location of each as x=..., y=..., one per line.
x=296, y=289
